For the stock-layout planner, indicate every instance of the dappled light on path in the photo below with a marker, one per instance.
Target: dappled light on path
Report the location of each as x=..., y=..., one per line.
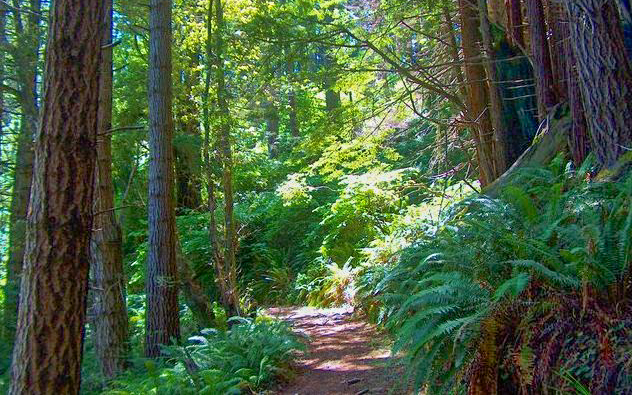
x=346, y=356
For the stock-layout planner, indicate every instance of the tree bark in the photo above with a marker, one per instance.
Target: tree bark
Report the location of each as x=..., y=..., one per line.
x=605, y=76
x=559, y=33
x=477, y=92
x=543, y=71
x=110, y=323
x=48, y=347
x=495, y=99
x=516, y=23
x=162, y=320
x=25, y=56
x=230, y=236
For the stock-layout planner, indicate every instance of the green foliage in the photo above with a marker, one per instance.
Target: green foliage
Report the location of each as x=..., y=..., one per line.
x=247, y=357
x=469, y=275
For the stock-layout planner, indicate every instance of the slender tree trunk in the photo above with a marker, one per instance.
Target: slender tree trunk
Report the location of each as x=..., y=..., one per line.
x=453, y=49
x=495, y=98
x=516, y=23
x=25, y=58
x=187, y=154
x=605, y=76
x=271, y=115
x=3, y=42
x=48, y=347
x=543, y=72
x=110, y=324
x=230, y=236
x=162, y=322
x=477, y=92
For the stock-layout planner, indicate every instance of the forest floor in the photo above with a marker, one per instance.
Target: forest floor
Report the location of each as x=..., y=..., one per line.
x=345, y=355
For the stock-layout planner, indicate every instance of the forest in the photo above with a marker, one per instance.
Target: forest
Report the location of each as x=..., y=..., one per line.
x=260, y=196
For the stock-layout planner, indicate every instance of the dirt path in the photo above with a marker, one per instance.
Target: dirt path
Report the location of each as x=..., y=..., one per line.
x=346, y=356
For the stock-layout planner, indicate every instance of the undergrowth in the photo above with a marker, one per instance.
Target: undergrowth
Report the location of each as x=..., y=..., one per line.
x=244, y=359
x=526, y=293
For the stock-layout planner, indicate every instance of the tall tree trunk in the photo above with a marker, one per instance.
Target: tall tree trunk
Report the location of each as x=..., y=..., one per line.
x=558, y=26
x=516, y=23
x=271, y=115
x=294, y=129
x=605, y=76
x=3, y=43
x=543, y=71
x=162, y=322
x=453, y=50
x=579, y=139
x=110, y=323
x=25, y=58
x=48, y=347
x=187, y=154
x=495, y=98
x=230, y=236
x=477, y=92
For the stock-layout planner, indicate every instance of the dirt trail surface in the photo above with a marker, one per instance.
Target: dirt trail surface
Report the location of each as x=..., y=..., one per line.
x=346, y=356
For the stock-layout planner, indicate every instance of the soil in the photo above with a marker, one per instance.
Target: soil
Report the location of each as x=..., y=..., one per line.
x=346, y=355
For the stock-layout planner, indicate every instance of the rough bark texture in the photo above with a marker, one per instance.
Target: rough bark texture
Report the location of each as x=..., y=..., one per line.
x=162, y=321
x=543, y=71
x=47, y=354
x=25, y=57
x=516, y=23
x=230, y=237
x=579, y=138
x=477, y=91
x=605, y=76
x=110, y=323
x=495, y=98
x=558, y=39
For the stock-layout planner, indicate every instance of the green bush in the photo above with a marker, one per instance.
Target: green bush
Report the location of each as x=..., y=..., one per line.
x=249, y=356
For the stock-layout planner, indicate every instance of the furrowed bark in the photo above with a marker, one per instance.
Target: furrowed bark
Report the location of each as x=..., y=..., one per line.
x=162, y=321
x=110, y=323
x=49, y=339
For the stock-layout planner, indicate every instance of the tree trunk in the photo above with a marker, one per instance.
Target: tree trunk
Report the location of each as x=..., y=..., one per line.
x=162, y=322
x=48, y=347
x=230, y=236
x=271, y=115
x=187, y=153
x=605, y=76
x=25, y=57
x=110, y=324
x=516, y=23
x=3, y=42
x=495, y=99
x=558, y=25
x=453, y=50
x=477, y=92
x=543, y=71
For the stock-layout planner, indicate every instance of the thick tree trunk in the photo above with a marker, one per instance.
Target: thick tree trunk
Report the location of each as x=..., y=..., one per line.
x=25, y=57
x=516, y=23
x=543, y=71
x=230, y=236
x=477, y=91
x=110, y=324
x=162, y=320
x=605, y=76
x=558, y=26
x=48, y=347
x=495, y=98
